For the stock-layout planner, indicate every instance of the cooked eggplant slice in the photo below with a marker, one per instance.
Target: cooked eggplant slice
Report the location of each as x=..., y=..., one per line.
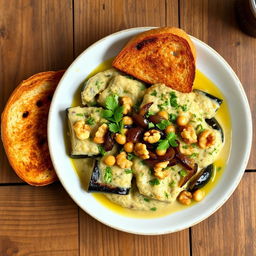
x=212, y=97
x=105, y=179
x=216, y=126
x=96, y=84
x=82, y=146
x=202, y=178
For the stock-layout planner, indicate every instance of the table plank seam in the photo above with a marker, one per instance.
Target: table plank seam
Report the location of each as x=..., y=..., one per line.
x=190, y=242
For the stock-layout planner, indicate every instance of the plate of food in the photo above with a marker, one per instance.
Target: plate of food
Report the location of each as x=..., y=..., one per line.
x=144, y=130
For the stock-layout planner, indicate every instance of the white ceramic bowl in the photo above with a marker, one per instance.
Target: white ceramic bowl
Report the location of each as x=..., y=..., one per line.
x=216, y=69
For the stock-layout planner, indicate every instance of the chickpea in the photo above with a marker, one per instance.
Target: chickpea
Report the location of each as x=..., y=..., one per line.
x=161, y=152
x=120, y=138
x=198, y=195
x=163, y=114
x=185, y=197
x=182, y=120
x=170, y=128
x=128, y=147
x=110, y=160
x=127, y=120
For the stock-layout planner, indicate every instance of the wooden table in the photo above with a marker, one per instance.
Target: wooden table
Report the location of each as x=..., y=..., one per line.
x=41, y=35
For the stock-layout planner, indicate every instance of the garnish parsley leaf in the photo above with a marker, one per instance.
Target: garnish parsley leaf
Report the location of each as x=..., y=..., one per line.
x=153, y=209
x=171, y=137
x=112, y=102
x=173, y=100
x=113, y=127
x=146, y=199
x=163, y=124
x=108, y=175
x=163, y=144
x=90, y=121
x=107, y=113
x=154, y=182
x=127, y=171
x=184, y=108
x=118, y=113
x=169, y=141
x=154, y=93
x=173, y=117
x=130, y=156
x=183, y=173
x=79, y=114
x=101, y=150
x=151, y=125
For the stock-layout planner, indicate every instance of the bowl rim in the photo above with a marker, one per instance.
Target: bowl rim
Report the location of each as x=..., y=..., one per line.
x=245, y=160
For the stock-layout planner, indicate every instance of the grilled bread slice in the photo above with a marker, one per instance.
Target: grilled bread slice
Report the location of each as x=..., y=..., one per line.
x=163, y=55
x=24, y=128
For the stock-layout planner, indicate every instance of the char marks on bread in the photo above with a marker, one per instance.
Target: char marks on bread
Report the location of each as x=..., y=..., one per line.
x=24, y=128
x=163, y=55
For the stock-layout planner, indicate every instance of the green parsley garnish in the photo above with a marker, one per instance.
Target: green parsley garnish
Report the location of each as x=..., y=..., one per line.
x=194, y=155
x=130, y=156
x=154, y=182
x=150, y=113
x=90, y=121
x=173, y=117
x=154, y=93
x=108, y=175
x=184, y=108
x=146, y=199
x=200, y=128
x=150, y=125
x=79, y=114
x=185, y=146
x=172, y=184
x=166, y=194
x=183, y=173
x=153, y=209
x=170, y=141
x=101, y=150
x=113, y=113
x=163, y=124
x=173, y=100
x=127, y=171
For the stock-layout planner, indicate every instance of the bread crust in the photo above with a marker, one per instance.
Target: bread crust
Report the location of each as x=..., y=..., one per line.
x=24, y=128
x=144, y=58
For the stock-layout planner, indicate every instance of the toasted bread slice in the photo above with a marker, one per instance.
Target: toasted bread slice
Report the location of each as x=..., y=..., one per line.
x=162, y=55
x=24, y=128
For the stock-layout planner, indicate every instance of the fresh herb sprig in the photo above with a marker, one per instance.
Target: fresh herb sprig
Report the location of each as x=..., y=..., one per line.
x=108, y=175
x=169, y=141
x=113, y=113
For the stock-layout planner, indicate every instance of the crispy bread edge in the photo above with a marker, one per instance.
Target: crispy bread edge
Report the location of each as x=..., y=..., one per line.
x=26, y=85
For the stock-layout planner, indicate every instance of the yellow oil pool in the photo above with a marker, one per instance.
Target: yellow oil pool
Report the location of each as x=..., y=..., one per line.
x=203, y=83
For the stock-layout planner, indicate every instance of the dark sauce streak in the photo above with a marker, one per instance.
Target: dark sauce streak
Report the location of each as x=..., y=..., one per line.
x=143, y=43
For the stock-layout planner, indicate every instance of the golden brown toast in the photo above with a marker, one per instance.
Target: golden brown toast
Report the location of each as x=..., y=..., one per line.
x=162, y=55
x=24, y=128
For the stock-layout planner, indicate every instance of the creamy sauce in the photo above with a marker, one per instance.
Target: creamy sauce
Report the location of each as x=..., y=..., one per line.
x=223, y=117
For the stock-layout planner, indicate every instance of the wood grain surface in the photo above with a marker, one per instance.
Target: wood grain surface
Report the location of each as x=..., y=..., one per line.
x=35, y=36
x=106, y=17
x=232, y=229
x=214, y=23
x=108, y=241
x=37, y=221
x=41, y=35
